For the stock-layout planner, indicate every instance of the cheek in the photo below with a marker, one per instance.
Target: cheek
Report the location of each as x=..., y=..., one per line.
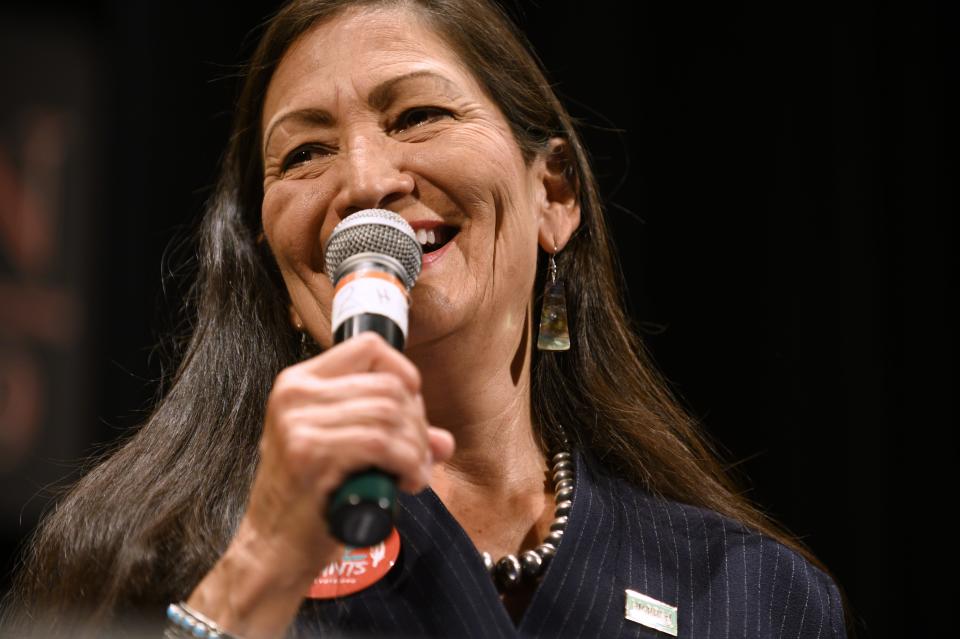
x=292, y=223
x=479, y=167
x=485, y=175
x=313, y=305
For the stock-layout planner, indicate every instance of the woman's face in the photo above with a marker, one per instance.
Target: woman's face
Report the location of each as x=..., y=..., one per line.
x=373, y=110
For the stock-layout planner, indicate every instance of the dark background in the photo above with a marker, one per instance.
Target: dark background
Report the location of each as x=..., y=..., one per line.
x=777, y=183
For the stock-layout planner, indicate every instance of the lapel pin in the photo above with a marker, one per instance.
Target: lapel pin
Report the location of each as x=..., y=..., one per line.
x=651, y=613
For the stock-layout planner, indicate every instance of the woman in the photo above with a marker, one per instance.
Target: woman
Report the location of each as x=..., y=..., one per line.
x=436, y=110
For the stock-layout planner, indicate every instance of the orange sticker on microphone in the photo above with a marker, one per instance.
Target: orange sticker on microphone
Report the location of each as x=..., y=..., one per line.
x=357, y=568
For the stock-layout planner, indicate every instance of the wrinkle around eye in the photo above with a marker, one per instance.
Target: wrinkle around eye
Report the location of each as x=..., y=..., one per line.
x=308, y=158
x=425, y=131
x=408, y=120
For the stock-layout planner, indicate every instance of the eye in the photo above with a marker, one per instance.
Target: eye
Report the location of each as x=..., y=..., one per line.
x=418, y=116
x=302, y=155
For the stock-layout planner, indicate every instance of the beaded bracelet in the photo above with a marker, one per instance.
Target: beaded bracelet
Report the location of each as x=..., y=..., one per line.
x=187, y=622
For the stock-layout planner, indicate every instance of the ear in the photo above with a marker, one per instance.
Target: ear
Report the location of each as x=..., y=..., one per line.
x=295, y=318
x=559, y=195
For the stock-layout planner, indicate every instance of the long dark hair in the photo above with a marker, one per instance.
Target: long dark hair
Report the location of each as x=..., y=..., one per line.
x=149, y=520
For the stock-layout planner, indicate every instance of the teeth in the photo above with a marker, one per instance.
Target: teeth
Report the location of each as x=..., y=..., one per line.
x=434, y=236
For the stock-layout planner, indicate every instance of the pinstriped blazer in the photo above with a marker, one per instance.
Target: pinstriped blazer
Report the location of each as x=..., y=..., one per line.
x=724, y=580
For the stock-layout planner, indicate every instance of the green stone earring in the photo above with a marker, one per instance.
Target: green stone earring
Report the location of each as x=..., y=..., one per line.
x=554, y=335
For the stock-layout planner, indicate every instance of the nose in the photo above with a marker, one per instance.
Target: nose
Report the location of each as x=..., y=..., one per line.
x=372, y=177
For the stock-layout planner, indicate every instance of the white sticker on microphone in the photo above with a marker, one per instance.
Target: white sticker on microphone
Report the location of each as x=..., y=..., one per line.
x=373, y=292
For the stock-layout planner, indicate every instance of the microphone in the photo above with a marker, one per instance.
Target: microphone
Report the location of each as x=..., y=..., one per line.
x=373, y=259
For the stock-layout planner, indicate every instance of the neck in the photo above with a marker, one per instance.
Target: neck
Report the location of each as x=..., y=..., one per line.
x=498, y=456
x=487, y=409
x=496, y=484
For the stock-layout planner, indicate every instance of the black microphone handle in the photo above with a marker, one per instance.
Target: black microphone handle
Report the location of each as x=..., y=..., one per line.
x=379, y=324
x=362, y=510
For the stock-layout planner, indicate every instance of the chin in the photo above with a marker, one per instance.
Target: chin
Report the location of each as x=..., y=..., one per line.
x=428, y=331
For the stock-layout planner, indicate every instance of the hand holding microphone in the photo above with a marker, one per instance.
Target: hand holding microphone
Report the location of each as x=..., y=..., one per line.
x=373, y=259
x=353, y=407
x=345, y=429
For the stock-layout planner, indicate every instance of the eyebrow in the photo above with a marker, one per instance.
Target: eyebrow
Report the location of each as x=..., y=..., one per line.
x=383, y=95
x=380, y=99
x=317, y=117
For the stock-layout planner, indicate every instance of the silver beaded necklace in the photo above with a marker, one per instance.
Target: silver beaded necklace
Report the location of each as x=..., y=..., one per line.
x=510, y=571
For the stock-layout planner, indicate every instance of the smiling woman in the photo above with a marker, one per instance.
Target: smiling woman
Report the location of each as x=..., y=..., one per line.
x=394, y=120
x=578, y=468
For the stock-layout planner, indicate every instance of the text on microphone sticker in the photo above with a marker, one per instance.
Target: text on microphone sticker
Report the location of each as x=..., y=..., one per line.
x=373, y=292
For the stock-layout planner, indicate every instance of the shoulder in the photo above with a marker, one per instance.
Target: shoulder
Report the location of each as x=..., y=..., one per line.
x=725, y=572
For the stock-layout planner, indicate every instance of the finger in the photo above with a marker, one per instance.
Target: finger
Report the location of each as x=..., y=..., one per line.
x=417, y=413
x=442, y=444
x=378, y=412
x=367, y=352
x=313, y=390
x=344, y=451
x=398, y=421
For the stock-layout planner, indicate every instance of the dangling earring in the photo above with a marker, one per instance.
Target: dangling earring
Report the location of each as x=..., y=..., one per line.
x=304, y=347
x=308, y=348
x=553, y=335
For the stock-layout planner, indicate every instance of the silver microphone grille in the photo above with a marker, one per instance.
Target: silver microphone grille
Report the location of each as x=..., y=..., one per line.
x=375, y=231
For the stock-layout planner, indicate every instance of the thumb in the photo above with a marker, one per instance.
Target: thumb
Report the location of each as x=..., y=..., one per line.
x=442, y=443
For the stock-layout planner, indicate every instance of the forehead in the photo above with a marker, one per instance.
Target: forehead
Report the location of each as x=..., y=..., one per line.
x=347, y=55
